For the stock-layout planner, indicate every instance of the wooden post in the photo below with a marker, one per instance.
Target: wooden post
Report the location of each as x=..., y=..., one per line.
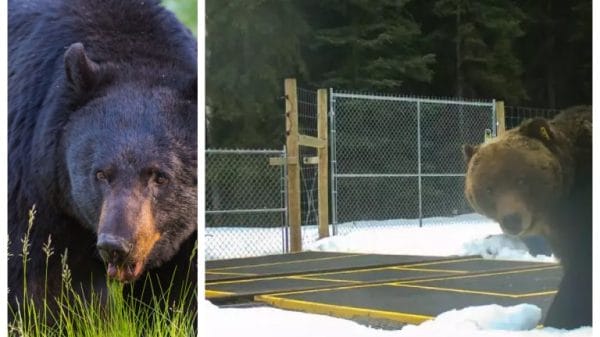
x=291, y=126
x=500, y=118
x=323, y=164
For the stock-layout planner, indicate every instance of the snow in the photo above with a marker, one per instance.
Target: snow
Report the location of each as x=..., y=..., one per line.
x=482, y=321
x=461, y=235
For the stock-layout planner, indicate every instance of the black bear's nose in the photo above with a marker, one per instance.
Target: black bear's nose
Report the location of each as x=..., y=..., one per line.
x=512, y=223
x=113, y=249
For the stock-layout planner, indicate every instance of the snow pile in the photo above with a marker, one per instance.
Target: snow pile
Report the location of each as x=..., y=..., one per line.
x=488, y=317
x=458, y=236
x=488, y=320
x=502, y=247
x=445, y=238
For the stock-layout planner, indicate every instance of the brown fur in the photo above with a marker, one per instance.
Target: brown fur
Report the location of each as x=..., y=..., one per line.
x=147, y=233
x=536, y=179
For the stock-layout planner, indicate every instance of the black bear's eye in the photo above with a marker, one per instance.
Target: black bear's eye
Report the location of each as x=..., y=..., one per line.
x=160, y=178
x=101, y=176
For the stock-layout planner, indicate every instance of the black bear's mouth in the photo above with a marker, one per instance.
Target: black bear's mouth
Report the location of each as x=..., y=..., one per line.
x=127, y=272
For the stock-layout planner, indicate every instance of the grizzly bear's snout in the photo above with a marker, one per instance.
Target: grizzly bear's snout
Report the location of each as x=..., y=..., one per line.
x=512, y=224
x=513, y=214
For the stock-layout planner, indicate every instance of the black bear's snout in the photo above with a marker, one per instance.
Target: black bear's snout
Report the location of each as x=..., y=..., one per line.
x=113, y=249
x=512, y=223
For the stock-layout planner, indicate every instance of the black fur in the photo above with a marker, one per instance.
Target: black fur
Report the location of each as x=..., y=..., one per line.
x=123, y=97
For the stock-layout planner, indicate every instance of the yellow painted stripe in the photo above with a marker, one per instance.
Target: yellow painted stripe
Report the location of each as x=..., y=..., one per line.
x=286, y=262
x=341, y=311
x=215, y=294
x=333, y=288
x=541, y=293
x=460, y=291
x=248, y=280
x=479, y=275
x=228, y=273
x=401, y=266
x=307, y=277
x=318, y=276
x=444, y=262
x=210, y=283
x=449, y=271
x=352, y=271
x=324, y=279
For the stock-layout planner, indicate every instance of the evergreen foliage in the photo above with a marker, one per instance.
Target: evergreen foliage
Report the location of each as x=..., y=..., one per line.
x=523, y=52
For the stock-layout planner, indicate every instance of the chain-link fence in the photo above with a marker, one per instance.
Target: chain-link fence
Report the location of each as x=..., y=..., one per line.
x=514, y=115
x=398, y=158
x=245, y=204
x=309, y=173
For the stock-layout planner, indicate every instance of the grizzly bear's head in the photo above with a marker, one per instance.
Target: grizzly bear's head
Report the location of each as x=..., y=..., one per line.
x=517, y=179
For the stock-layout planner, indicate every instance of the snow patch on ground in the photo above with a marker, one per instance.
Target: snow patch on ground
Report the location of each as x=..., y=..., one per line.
x=458, y=236
x=481, y=321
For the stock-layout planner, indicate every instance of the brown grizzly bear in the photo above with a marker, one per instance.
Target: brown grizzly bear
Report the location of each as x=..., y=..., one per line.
x=537, y=179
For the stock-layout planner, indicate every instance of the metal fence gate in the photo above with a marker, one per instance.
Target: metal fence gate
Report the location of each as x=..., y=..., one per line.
x=399, y=158
x=246, y=206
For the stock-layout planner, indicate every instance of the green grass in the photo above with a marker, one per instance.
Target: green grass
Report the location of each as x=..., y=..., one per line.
x=185, y=10
x=119, y=316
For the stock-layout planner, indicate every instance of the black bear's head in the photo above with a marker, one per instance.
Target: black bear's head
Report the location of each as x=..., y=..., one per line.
x=131, y=154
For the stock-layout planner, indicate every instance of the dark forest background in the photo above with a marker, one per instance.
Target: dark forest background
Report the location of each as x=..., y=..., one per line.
x=527, y=53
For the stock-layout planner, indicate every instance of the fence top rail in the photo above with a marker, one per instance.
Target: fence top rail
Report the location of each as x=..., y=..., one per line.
x=242, y=211
x=243, y=151
x=396, y=175
x=336, y=94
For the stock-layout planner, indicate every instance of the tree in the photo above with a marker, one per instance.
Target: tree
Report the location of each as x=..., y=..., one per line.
x=364, y=45
x=474, y=42
x=557, y=52
x=251, y=46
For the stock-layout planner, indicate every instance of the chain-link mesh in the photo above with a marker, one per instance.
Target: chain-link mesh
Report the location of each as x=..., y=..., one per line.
x=514, y=115
x=399, y=157
x=245, y=204
x=309, y=173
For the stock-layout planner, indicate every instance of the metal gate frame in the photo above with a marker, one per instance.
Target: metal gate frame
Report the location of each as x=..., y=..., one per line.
x=283, y=209
x=419, y=175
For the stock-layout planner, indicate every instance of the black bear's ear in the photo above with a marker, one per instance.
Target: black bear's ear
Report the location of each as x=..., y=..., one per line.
x=468, y=151
x=539, y=129
x=82, y=73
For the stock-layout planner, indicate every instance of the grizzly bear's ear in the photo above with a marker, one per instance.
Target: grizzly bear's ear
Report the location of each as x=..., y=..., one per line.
x=81, y=72
x=539, y=129
x=468, y=151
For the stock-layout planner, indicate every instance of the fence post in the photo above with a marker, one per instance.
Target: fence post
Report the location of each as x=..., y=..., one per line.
x=500, y=118
x=322, y=153
x=291, y=126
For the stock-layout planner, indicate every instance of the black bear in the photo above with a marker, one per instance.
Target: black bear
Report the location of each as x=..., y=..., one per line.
x=537, y=180
x=102, y=99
